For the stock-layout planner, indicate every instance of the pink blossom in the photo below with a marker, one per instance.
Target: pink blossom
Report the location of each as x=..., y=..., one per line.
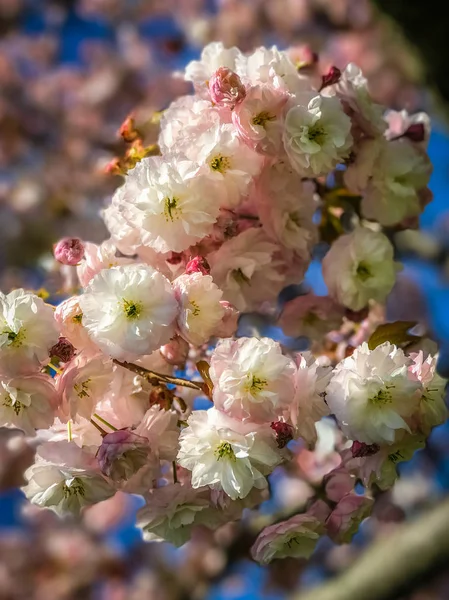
x=176, y=351
x=296, y=537
x=69, y=251
x=345, y=519
x=339, y=483
x=69, y=316
x=229, y=322
x=311, y=316
x=198, y=264
x=226, y=88
x=258, y=118
x=97, y=258
x=122, y=453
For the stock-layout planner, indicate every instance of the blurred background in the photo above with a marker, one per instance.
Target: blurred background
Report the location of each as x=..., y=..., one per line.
x=70, y=73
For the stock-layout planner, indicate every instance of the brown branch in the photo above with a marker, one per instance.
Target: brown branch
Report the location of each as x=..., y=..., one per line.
x=395, y=564
x=160, y=377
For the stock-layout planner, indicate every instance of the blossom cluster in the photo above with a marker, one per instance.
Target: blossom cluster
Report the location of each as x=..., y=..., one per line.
x=218, y=224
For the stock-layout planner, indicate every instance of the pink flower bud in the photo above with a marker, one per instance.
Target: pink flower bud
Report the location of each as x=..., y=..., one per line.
x=176, y=351
x=64, y=350
x=339, y=483
x=360, y=449
x=198, y=265
x=331, y=77
x=122, y=453
x=226, y=88
x=284, y=433
x=346, y=517
x=229, y=323
x=69, y=251
x=416, y=132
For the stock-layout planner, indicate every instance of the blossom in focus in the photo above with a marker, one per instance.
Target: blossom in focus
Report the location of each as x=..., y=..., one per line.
x=27, y=332
x=360, y=267
x=69, y=318
x=296, y=537
x=226, y=88
x=213, y=57
x=224, y=459
x=129, y=310
x=82, y=384
x=200, y=311
x=55, y=482
x=169, y=203
x=69, y=251
x=259, y=118
x=317, y=137
x=97, y=258
x=252, y=379
x=28, y=402
x=372, y=395
x=160, y=428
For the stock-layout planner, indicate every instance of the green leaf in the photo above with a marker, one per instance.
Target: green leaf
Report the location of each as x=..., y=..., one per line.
x=396, y=333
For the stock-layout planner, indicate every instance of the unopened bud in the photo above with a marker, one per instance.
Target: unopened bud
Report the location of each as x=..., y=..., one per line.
x=198, y=265
x=331, y=77
x=176, y=351
x=226, y=88
x=284, y=433
x=416, y=132
x=69, y=251
x=64, y=350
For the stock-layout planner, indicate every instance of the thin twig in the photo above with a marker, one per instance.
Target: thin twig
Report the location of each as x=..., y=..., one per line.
x=148, y=375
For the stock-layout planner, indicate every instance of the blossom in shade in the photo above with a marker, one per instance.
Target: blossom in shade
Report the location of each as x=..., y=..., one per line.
x=346, y=517
x=229, y=322
x=223, y=458
x=338, y=483
x=310, y=316
x=200, y=311
x=122, y=454
x=171, y=512
x=65, y=479
x=308, y=404
x=286, y=206
x=175, y=351
x=360, y=267
x=259, y=118
x=82, y=384
x=296, y=537
x=247, y=270
x=69, y=251
x=372, y=395
x=27, y=332
x=317, y=137
x=171, y=205
x=226, y=88
x=129, y=311
x=432, y=409
x=69, y=318
x=160, y=428
x=28, y=402
x=252, y=379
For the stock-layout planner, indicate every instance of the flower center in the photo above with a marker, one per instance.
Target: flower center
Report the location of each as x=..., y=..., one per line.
x=363, y=271
x=240, y=276
x=74, y=488
x=294, y=219
x=255, y=384
x=171, y=208
x=316, y=134
x=195, y=307
x=14, y=404
x=382, y=397
x=132, y=309
x=82, y=389
x=15, y=339
x=77, y=318
x=224, y=450
x=220, y=163
x=263, y=118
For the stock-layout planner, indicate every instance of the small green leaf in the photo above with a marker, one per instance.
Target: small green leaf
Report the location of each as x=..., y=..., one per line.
x=396, y=333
